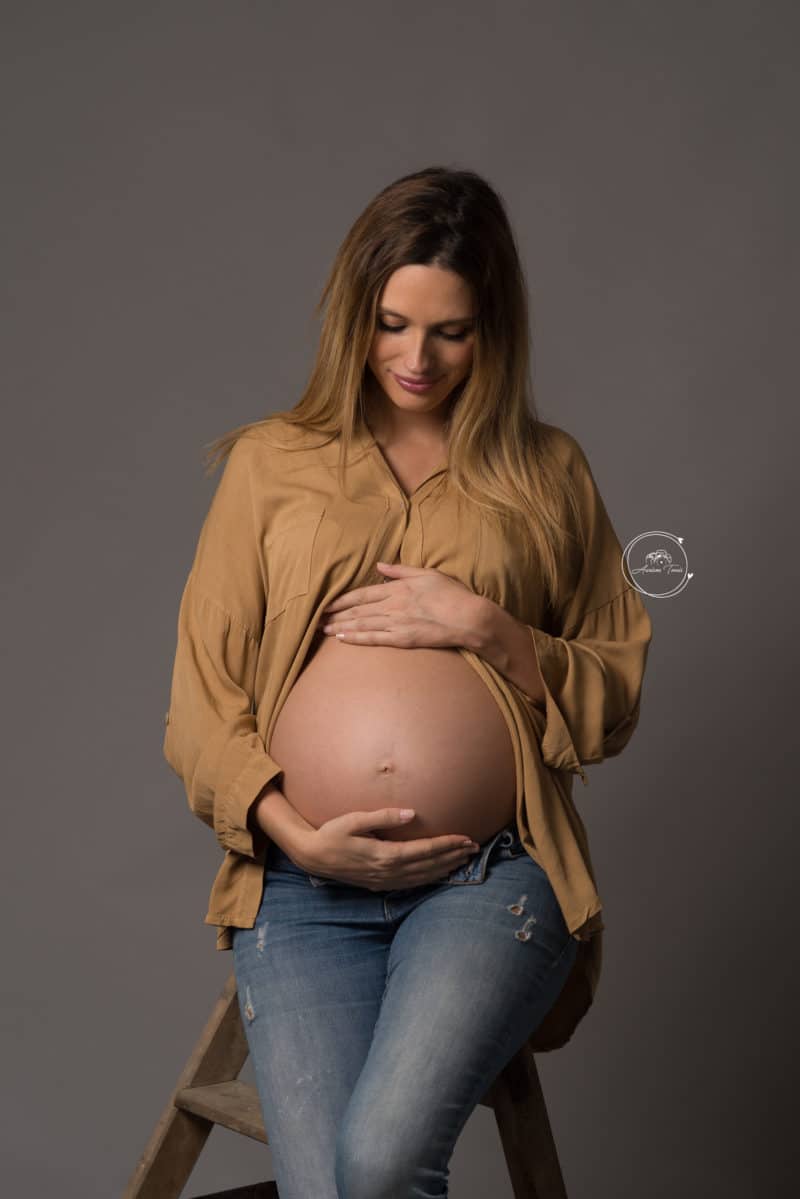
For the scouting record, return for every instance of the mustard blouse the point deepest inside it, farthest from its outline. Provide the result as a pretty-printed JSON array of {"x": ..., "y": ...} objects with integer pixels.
[{"x": 280, "y": 542}]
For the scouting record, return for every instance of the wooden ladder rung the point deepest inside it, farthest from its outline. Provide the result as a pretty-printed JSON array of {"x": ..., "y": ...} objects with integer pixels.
[{"x": 233, "y": 1104}]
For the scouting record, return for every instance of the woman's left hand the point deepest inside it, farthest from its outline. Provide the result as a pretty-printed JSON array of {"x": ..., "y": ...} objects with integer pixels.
[{"x": 415, "y": 607}]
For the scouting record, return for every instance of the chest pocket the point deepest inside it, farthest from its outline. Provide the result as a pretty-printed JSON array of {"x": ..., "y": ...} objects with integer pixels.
[{"x": 289, "y": 553}]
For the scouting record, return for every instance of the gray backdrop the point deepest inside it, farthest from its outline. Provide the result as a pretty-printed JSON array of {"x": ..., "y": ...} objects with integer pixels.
[{"x": 176, "y": 180}]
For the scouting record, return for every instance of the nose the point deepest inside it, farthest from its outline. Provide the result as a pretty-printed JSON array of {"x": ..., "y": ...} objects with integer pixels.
[{"x": 419, "y": 360}]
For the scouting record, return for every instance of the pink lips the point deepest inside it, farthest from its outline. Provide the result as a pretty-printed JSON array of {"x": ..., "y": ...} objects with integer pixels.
[{"x": 413, "y": 384}]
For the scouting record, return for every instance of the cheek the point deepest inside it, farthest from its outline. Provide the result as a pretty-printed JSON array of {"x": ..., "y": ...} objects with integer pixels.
[
  {"x": 462, "y": 361},
  {"x": 383, "y": 349}
]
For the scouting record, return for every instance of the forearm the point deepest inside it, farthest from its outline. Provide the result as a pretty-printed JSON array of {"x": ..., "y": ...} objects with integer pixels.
[
  {"x": 272, "y": 815},
  {"x": 506, "y": 643}
]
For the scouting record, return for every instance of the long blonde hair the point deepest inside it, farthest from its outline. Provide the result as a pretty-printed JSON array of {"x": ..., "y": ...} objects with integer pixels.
[{"x": 500, "y": 455}]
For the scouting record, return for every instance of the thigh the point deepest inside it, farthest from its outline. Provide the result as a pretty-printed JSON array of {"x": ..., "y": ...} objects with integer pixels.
[
  {"x": 473, "y": 969},
  {"x": 310, "y": 976}
]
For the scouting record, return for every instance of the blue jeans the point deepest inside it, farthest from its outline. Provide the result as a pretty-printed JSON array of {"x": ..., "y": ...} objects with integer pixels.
[{"x": 377, "y": 1020}]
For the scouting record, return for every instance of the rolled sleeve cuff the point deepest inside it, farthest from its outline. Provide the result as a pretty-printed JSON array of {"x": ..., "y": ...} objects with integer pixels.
[
  {"x": 557, "y": 747},
  {"x": 232, "y": 808}
]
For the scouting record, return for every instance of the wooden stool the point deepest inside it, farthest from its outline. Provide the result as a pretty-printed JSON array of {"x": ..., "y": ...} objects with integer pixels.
[{"x": 208, "y": 1093}]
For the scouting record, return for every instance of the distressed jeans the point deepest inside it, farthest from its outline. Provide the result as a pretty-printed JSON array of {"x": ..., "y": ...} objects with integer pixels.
[{"x": 377, "y": 1020}]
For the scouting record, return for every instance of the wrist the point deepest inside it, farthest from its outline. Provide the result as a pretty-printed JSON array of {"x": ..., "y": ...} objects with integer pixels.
[
  {"x": 480, "y": 626},
  {"x": 485, "y": 625},
  {"x": 507, "y": 644},
  {"x": 279, "y": 821}
]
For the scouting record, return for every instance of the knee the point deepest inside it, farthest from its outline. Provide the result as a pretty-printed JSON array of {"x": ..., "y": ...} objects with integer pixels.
[{"x": 367, "y": 1168}]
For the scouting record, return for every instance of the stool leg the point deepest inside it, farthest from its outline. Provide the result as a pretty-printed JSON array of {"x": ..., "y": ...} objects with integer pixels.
[
  {"x": 179, "y": 1136},
  {"x": 524, "y": 1126}
]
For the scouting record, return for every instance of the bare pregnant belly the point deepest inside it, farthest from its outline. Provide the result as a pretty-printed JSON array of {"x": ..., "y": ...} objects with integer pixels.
[{"x": 373, "y": 726}]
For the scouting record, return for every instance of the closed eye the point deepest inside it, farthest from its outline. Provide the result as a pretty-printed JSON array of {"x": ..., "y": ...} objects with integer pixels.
[{"x": 399, "y": 329}]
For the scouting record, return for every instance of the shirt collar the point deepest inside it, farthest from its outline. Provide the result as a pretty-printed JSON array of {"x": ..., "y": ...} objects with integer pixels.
[{"x": 367, "y": 446}]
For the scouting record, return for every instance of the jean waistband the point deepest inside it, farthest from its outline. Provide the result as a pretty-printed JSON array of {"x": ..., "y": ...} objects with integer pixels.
[{"x": 506, "y": 843}]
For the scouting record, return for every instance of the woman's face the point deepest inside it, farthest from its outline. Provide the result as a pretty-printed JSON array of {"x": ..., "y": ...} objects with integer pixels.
[{"x": 425, "y": 330}]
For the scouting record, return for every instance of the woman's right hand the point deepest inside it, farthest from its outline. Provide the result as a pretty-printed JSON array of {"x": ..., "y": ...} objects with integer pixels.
[{"x": 346, "y": 848}]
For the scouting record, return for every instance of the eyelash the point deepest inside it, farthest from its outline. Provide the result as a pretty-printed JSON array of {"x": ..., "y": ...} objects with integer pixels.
[{"x": 399, "y": 328}]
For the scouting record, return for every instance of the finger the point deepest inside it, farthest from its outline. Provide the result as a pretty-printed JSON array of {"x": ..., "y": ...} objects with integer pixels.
[
  {"x": 455, "y": 841},
  {"x": 359, "y": 821},
  {"x": 432, "y": 849},
  {"x": 441, "y": 867},
  {"x": 365, "y": 619},
  {"x": 361, "y": 595},
  {"x": 373, "y": 637},
  {"x": 360, "y": 612}
]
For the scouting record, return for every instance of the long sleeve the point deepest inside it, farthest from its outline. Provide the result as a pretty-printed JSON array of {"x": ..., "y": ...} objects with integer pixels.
[
  {"x": 211, "y": 740},
  {"x": 593, "y": 661}
]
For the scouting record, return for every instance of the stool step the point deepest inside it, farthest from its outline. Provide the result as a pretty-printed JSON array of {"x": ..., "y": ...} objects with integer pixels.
[
  {"x": 233, "y": 1104},
  {"x": 260, "y": 1190}
]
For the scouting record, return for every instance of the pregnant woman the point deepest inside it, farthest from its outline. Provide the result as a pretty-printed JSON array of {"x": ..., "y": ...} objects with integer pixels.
[{"x": 404, "y": 631}]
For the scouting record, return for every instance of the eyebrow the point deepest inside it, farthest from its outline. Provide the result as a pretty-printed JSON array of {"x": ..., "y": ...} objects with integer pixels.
[{"x": 456, "y": 320}]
